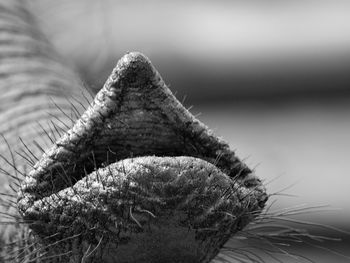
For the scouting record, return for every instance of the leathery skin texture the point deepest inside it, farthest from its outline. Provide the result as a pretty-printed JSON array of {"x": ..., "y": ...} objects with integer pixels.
[{"x": 138, "y": 179}]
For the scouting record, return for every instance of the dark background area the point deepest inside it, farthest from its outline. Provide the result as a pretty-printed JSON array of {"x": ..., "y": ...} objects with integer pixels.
[{"x": 271, "y": 77}]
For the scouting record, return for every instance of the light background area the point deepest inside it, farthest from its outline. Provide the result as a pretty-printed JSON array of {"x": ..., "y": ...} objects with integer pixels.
[{"x": 304, "y": 148}]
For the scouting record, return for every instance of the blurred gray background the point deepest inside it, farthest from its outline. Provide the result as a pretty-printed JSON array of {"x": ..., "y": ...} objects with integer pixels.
[{"x": 271, "y": 77}]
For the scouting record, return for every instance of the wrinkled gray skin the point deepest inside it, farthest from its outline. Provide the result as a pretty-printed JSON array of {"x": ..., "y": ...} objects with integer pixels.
[
  {"x": 36, "y": 90},
  {"x": 33, "y": 79}
]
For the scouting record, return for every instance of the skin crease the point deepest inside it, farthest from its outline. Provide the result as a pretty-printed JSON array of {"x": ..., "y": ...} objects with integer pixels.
[
  {"x": 33, "y": 76},
  {"x": 36, "y": 106}
]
